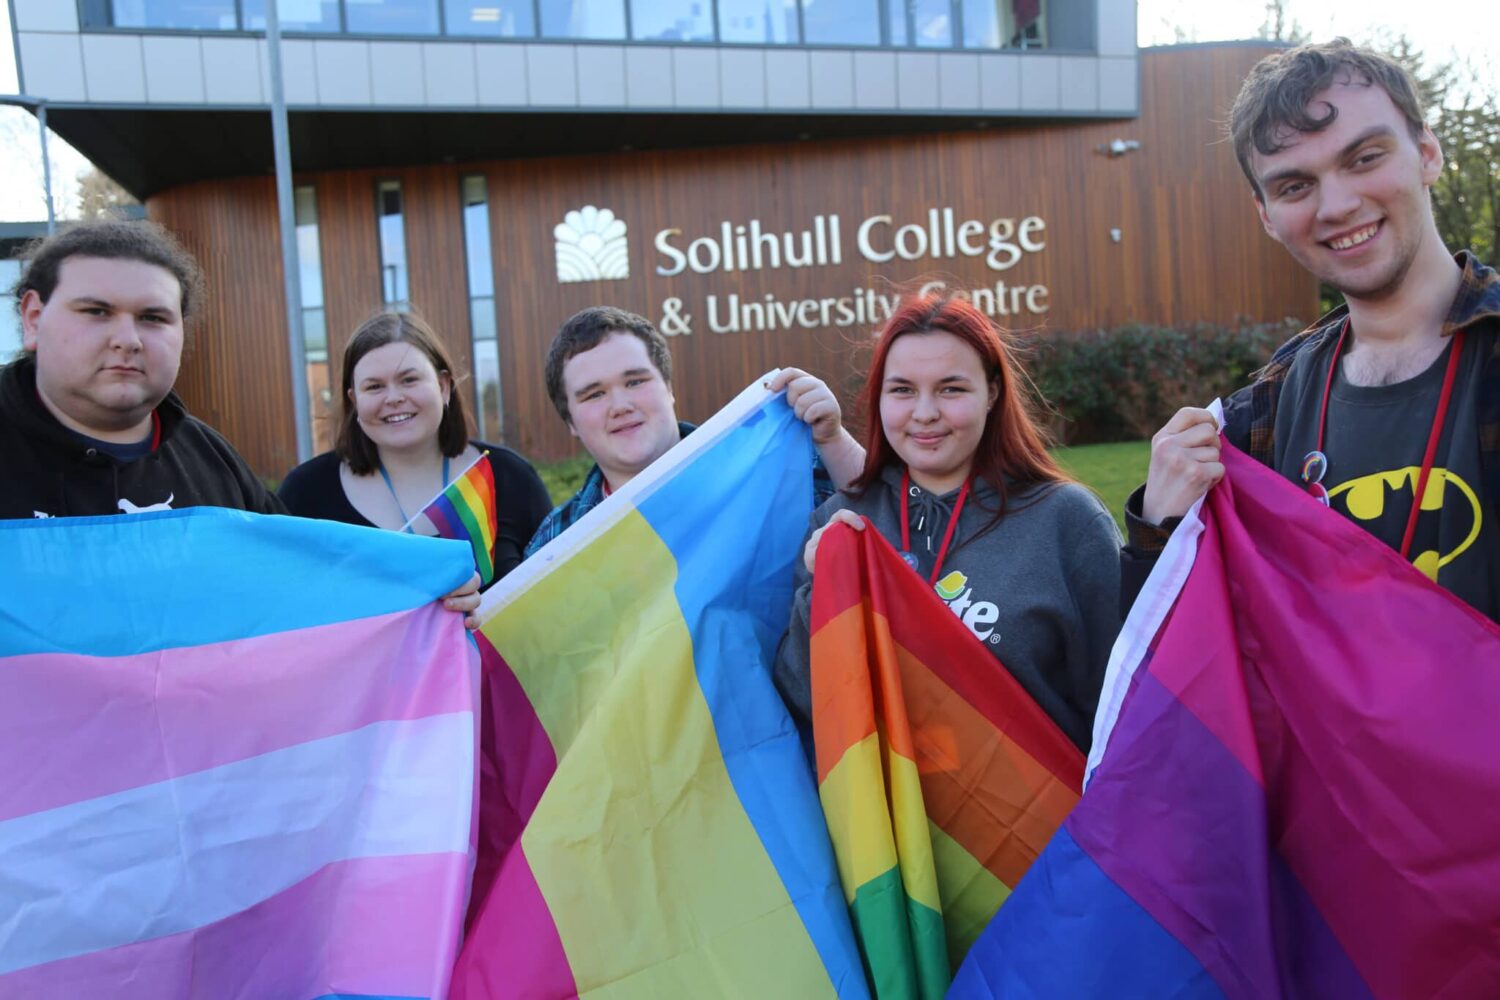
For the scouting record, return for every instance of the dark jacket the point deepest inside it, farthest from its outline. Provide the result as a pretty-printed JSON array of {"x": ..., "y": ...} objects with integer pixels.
[
  {"x": 48, "y": 471},
  {"x": 1250, "y": 414}
]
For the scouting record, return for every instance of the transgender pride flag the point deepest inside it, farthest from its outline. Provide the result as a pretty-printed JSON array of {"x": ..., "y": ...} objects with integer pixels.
[
  {"x": 1295, "y": 790},
  {"x": 238, "y": 758}
]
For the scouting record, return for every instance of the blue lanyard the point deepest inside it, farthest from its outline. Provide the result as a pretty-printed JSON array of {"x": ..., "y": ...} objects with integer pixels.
[{"x": 406, "y": 521}]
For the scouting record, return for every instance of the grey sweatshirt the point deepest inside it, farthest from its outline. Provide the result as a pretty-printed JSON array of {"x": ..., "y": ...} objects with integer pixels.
[{"x": 1041, "y": 588}]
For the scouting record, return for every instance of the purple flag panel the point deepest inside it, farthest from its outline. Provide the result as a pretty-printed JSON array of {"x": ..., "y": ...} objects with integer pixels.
[{"x": 1296, "y": 792}]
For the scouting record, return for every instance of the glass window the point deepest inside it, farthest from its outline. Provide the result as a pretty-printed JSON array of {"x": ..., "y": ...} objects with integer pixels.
[
  {"x": 841, "y": 22},
  {"x": 489, "y": 415},
  {"x": 314, "y": 324},
  {"x": 671, "y": 20},
  {"x": 985, "y": 23},
  {"x": 500, "y": 18},
  {"x": 296, "y": 15},
  {"x": 394, "y": 286},
  {"x": 392, "y": 17},
  {"x": 583, "y": 18},
  {"x": 199, "y": 15},
  {"x": 762, "y": 22},
  {"x": 10, "y": 321},
  {"x": 923, "y": 23}
]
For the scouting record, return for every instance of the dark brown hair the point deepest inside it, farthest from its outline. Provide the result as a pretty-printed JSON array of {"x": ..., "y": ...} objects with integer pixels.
[
  {"x": 354, "y": 445},
  {"x": 1277, "y": 96},
  {"x": 585, "y": 330},
  {"x": 1012, "y": 450},
  {"x": 111, "y": 239}
]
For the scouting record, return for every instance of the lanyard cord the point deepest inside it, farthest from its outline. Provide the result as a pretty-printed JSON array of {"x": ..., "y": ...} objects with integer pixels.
[
  {"x": 1429, "y": 456},
  {"x": 958, "y": 506},
  {"x": 406, "y": 521}
]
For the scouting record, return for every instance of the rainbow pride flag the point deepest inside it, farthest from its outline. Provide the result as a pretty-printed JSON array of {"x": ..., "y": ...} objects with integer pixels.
[
  {"x": 649, "y": 823},
  {"x": 467, "y": 510},
  {"x": 942, "y": 780},
  {"x": 238, "y": 758},
  {"x": 1295, "y": 790}
]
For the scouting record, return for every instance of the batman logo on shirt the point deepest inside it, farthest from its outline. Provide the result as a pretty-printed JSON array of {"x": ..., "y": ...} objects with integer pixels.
[{"x": 1364, "y": 499}]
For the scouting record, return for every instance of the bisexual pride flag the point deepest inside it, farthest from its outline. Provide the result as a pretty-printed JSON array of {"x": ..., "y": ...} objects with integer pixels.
[
  {"x": 238, "y": 758},
  {"x": 941, "y": 778},
  {"x": 1294, "y": 790},
  {"x": 467, "y": 510},
  {"x": 649, "y": 823}
]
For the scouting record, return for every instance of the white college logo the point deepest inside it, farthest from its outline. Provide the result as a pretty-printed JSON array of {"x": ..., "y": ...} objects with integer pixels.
[{"x": 591, "y": 246}]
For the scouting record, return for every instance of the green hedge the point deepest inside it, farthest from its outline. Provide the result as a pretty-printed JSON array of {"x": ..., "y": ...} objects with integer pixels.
[{"x": 1123, "y": 384}]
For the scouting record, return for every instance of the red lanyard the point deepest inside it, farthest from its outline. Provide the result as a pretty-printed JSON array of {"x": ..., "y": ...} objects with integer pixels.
[
  {"x": 958, "y": 506},
  {"x": 1433, "y": 435}
]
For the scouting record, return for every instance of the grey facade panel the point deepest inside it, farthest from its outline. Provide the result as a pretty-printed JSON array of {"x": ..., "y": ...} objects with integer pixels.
[
  {"x": 1041, "y": 84},
  {"x": 695, "y": 77},
  {"x": 958, "y": 82},
  {"x": 787, "y": 79},
  {"x": 231, "y": 71},
  {"x": 874, "y": 79},
  {"x": 832, "y": 75},
  {"x": 916, "y": 80},
  {"x": 501, "y": 73},
  {"x": 1078, "y": 83},
  {"x": 174, "y": 70},
  {"x": 648, "y": 77},
  {"x": 299, "y": 71},
  {"x": 114, "y": 67},
  {"x": 1117, "y": 27},
  {"x": 45, "y": 15},
  {"x": 53, "y": 66},
  {"x": 448, "y": 74},
  {"x": 551, "y": 75},
  {"x": 344, "y": 72},
  {"x": 742, "y": 78},
  {"x": 1119, "y": 85},
  {"x": 1000, "y": 81},
  {"x": 601, "y": 77},
  {"x": 395, "y": 74}
]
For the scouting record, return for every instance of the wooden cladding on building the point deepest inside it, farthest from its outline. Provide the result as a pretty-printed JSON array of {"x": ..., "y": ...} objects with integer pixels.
[{"x": 1162, "y": 232}]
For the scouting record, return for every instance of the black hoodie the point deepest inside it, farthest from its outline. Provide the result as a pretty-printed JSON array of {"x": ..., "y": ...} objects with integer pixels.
[{"x": 48, "y": 471}]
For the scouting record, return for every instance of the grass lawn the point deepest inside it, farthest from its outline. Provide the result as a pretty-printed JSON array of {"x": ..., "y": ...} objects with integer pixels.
[{"x": 1112, "y": 470}]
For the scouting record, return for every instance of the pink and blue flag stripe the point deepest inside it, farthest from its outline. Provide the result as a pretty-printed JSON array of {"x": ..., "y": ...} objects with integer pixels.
[
  {"x": 248, "y": 748},
  {"x": 1294, "y": 790}
]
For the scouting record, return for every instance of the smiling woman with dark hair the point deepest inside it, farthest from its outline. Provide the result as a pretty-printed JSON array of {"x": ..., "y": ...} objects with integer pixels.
[{"x": 403, "y": 437}]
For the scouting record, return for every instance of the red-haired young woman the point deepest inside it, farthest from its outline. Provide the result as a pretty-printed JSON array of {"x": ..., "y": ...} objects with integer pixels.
[{"x": 1032, "y": 565}]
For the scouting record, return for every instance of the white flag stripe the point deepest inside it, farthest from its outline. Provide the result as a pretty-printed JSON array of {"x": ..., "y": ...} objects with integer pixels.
[{"x": 179, "y": 854}]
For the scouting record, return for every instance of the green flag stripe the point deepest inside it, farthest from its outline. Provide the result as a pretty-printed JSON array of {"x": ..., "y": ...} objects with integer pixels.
[{"x": 904, "y": 946}]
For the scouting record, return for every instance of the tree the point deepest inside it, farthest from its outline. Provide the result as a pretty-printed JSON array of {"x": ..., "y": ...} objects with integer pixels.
[
  {"x": 1465, "y": 116},
  {"x": 1280, "y": 26},
  {"x": 99, "y": 196}
]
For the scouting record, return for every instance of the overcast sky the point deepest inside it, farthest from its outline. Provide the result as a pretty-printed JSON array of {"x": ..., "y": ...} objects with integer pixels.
[{"x": 1443, "y": 29}]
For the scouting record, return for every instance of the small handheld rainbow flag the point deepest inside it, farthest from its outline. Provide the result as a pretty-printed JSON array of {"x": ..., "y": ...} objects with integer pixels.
[{"x": 467, "y": 510}]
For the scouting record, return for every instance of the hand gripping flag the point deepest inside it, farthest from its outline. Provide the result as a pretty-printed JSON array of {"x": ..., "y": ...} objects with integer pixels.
[
  {"x": 649, "y": 823},
  {"x": 467, "y": 510},
  {"x": 238, "y": 758},
  {"x": 1295, "y": 791},
  {"x": 941, "y": 778}
]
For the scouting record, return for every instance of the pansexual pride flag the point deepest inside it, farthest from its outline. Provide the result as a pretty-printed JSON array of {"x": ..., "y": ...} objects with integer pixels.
[
  {"x": 238, "y": 758},
  {"x": 1296, "y": 792},
  {"x": 941, "y": 778},
  {"x": 649, "y": 823},
  {"x": 467, "y": 510}
]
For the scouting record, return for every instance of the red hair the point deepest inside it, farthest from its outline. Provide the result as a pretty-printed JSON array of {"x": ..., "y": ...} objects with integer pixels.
[{"x": 1012, "y": 452}]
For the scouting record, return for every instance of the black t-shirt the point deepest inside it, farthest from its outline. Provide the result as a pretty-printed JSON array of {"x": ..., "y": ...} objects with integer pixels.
[
  {"x": 1375, "y": 441},
  {"x": 313, "y": 489}
]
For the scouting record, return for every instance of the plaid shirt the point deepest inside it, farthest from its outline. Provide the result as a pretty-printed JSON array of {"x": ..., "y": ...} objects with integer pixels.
[
  {"x": 1250, "y": 414},
  {"x": 591, "y": 493}
]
